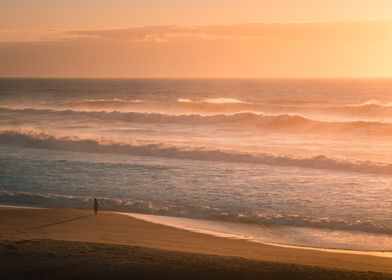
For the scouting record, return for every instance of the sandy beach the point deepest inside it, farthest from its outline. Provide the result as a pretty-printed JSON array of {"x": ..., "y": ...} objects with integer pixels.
[{"x": 64, "y": 243}]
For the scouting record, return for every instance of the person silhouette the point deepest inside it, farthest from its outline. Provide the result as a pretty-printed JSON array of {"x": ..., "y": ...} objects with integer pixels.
[{"x": 96, "y": 206}]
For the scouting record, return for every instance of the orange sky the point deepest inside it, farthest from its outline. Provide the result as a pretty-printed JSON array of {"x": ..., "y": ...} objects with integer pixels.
[{"x": 173, "y": 38}]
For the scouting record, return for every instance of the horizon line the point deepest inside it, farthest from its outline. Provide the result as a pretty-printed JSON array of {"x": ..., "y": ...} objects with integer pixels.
[{"x": 199, "y": 77}]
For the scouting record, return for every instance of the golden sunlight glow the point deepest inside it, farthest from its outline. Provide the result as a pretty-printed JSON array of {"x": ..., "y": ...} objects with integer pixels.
[{"x": 234, "y": 39}]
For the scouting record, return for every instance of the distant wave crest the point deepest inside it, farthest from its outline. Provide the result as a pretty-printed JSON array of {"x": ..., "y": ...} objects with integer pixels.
[
  {"x": 247, "y": 120},
  {"x": 375, "y": 102},
  {"x": 228, "y": 105}
]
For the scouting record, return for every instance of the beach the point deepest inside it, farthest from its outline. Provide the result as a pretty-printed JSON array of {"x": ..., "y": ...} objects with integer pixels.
[
  {"x": 180, "y": 140},
  {"x": 65, "y": 243}
]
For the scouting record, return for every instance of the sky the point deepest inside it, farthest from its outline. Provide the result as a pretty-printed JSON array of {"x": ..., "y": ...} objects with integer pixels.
[{"x": 176, "y": 38}]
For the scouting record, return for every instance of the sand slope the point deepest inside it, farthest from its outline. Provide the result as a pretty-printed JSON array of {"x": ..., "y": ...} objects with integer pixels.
[
  {"x": 51, "y": 259},
  {"x": 109, "y": 228}
]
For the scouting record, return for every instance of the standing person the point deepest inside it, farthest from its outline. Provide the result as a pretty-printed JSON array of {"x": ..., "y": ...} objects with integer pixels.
[{"x": 96, "y": 206}]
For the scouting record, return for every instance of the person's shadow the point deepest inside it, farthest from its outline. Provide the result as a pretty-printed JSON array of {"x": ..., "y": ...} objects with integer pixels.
[{"x": 58, "y": 223}]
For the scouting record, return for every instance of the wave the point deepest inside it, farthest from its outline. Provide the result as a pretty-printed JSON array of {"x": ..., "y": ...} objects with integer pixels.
[
  {"x": 222, "y": 100},
  {"x": 375, "y": 102},
  {"x": 368, "y": 109},
  {"x": 67, "y": 143},
  {"x": 248, "y": 120},
  {"x": 192, "y": 211},
  {"x": 135, "y": 116},
  {"x": 227, "y": 105}
]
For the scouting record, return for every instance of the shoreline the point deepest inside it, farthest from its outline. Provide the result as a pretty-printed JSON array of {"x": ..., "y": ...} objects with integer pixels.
[
  {"x": 162, "y": 220},
  {"x": 194, "y": 226},
  {"x": 168, "y": 221},
  {"x": 112, "y": 228}
]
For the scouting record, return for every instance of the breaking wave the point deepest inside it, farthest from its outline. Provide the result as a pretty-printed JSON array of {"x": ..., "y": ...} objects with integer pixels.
[{"x": 67, "y": 143}]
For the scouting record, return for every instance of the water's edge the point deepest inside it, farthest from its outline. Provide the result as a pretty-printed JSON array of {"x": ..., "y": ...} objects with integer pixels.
[
  {"x": 197, "y": 226},
  {"x": 213, "y": 228}
]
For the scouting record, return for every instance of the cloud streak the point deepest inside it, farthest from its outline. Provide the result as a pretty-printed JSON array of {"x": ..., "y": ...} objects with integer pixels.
[{"x": 329, "y": 31}]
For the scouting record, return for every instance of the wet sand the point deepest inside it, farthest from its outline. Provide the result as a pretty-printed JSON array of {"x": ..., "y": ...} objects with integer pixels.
[{"x": 65, "y": 243}]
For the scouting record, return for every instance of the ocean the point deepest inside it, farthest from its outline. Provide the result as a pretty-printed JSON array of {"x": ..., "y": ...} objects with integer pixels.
[{"x": 284, "y": 161}]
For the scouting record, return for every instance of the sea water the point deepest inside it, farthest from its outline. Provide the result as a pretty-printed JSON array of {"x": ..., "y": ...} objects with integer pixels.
[{"x": 295, "y": 162}]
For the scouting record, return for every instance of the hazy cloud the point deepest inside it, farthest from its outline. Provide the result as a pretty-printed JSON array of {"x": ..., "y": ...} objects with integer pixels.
[
  {"x": 328, "y": 31},
  {"x": 336, "y": 49}
]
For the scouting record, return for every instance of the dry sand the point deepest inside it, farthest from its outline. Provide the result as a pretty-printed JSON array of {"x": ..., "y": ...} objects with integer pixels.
[{"x": 66, "y": 243}]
